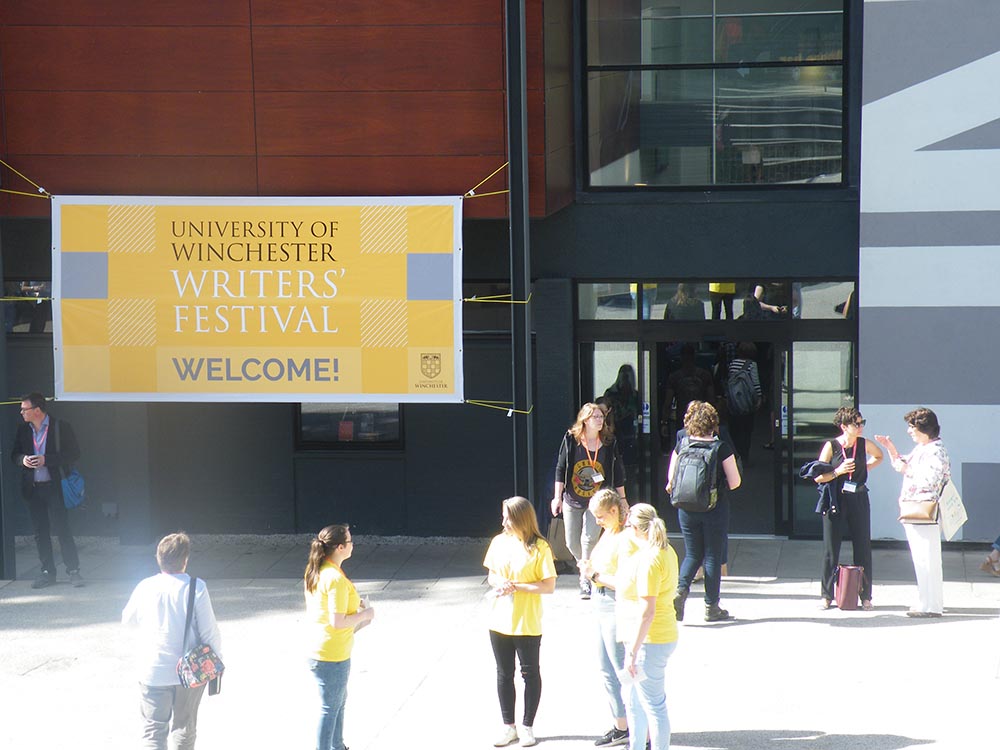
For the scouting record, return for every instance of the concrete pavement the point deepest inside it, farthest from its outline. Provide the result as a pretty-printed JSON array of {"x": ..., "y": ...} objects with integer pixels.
[{"x": 783, "y": 675}]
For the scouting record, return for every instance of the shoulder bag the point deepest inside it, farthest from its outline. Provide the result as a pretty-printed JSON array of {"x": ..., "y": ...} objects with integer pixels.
[
  {"x": 74, "y": 490},
  {"x": 200, "y": 664}
]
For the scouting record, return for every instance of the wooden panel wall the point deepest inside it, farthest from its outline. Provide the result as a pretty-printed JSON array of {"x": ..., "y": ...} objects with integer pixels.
[{"x": 274, "y": 97}]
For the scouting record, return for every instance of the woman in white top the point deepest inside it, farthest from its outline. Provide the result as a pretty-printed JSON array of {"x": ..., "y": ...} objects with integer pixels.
[
  {"x": 158, "y": 606},
  {"x": 926, "y": 470}
]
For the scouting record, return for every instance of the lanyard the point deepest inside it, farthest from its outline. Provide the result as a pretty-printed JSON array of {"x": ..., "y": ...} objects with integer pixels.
[
  {"x": 854, "y": 452},
  {"x": 591, "y": 461},
  {"x": 39, "y": 439}
]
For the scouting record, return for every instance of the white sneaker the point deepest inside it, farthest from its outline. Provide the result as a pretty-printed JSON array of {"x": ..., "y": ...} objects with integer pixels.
[
  {"x": 509, "y": 736},
  {"x": 528, "y": 737}
]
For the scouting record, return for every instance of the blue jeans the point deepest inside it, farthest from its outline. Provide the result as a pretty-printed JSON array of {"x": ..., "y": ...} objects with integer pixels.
[
  {"x": 646, "y": 699},
  {"x": 611, "y": 653},
  {"x": 704, "y": 544},
  {"x": 996, "y": 544},
  {"x": 332, "y": 678}
]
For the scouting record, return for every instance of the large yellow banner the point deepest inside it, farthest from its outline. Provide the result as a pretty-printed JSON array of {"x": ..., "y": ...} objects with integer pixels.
[{"x": 257, "y": 299}]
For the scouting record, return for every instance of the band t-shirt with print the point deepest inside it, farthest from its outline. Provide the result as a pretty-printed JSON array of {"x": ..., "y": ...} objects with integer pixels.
[{"x": 583, "y": 468}]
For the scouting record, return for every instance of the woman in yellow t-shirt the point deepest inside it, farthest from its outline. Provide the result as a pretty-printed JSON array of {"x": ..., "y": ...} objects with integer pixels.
[
  {"x": 647, "y": 624},
  {"x": 610, "y": 510},
  {"x": 521, "y": 569},
  {"x": 334, "y": 611}
]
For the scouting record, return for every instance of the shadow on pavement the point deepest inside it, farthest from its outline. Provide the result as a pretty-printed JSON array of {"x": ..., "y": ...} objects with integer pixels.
[{"x": 791, "y": 739}]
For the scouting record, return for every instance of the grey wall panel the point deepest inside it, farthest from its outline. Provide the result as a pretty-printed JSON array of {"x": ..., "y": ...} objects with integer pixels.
[
  {"x": 778, "y": 237},
  {"x": 364, "y": 490},
  {"x": 459, "y": 463},
  {"x": 221, "y": 468},
  {"x": 915, "y": 41},
  {"x": 980, "y": 483},
  {"x": 930, "y": 229},
  {"x": 555, "y": 403},
  {"x": 928, "y": 355}
]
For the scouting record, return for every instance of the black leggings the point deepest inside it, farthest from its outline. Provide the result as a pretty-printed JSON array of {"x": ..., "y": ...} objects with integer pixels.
[
  {"x": 855, "y": 515},
  {"x": 526, "y": 647}
]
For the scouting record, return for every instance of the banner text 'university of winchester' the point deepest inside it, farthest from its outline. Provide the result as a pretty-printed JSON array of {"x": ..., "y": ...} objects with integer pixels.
[{"x": 257, "y": 299}]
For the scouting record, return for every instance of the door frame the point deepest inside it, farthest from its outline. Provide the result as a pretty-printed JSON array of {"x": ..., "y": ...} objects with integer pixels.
[{"x": 647, "y": 334}]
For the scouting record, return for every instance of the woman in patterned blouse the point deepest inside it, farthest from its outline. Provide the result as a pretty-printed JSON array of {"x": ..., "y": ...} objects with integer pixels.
[{"x": 926, "y": 470}]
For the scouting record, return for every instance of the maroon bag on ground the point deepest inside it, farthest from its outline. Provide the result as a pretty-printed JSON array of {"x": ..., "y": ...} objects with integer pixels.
[{"x": 848, "y": 586}]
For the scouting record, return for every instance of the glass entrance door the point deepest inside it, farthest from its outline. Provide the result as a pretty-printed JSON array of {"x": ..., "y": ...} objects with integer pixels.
[
  {"x": 823, "y": 379},
  {"x": 697, "y": 369}
]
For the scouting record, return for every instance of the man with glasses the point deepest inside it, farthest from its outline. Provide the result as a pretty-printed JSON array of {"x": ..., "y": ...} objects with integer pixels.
[{"x": 43, "y": 448}]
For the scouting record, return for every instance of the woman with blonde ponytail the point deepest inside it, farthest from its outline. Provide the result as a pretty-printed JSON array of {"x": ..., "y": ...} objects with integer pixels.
[
  {"x": 610, "y": 510},
  {"x": 647, "y": 625},
  {"x": 335, "y": 612}
]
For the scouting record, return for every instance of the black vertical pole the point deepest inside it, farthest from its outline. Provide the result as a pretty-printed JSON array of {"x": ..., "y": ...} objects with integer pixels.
[
  {"x": 7, "y": 568},
  {"x": 520, "y": 251}
]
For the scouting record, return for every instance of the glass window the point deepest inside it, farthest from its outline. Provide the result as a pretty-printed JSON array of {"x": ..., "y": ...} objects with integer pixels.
[
  {"x": 686, "y": 300},
  {"x": 614, "y": 301},
  {"x": 349, "y": 424},
  {"x": 826, "y": 300},
  {"x": 715, "y": 97},
  {"x": 27, "y": 306}
]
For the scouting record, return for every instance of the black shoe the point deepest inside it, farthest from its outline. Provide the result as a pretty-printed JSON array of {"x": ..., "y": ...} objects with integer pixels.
[
  {"x": 44, "y": 580},
  {"x": 715, "y": 613},
  {"x": 679, "y": 598},
  {"x": 614, "y": 737}
]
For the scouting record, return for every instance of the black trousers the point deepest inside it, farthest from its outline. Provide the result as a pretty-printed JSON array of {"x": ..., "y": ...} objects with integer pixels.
[
  {"x": 45, "y": 505},
  {"x": 854, "y": 516},
  {"x": 526, "y": 647}
]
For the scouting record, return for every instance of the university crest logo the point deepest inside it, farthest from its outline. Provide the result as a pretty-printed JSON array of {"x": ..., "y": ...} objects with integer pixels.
[{"x": 430, "y": 365}]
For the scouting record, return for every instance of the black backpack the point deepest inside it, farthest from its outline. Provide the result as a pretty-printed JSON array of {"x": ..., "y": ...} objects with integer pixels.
[
  {"x": 695, "y": 483},
  {"x": 741, "y": 397}
]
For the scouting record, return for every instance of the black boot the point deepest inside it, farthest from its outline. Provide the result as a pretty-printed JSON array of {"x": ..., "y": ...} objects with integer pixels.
[
  {"x": 715, "y": 613},
  {"x": 679, "y": 598}
]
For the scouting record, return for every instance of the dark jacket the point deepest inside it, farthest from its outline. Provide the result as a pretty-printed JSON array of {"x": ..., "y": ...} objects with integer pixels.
[
  {"x": 616, "y": 472},
  {"x": 61, "y": 452},
  {"x": 829, "y": 492}
]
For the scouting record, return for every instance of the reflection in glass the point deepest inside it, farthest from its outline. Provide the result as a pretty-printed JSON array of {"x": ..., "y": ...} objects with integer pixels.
[
  {"x": 827, "y": 300},
  {"x": 28, "y": 308},
  {"x": 777, "y": 38},
  {"x": 615, "y": 301},
  {"x": 686, "y": 32},
  {"x": 779, "y": 125},
  {"x": 366, "y": 423},
  {"x": 822, "y": 382},
  {"x": 686, "y": 300},
  {"x": 700, "y": 127}
]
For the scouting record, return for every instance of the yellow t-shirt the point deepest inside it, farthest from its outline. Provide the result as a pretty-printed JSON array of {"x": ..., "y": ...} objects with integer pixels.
[
  {"x": 649, "y": 572},
  {"x": 334, "y": 594},
  {"x": 604, "y": 557},
  {"x": 722, "y": 287},
  {"x": 519, "y": 613}
]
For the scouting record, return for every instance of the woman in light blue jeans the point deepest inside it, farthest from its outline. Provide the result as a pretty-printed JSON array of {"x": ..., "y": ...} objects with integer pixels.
[
  {"x": 610, "y": 510},
  {"x": 334, "y": 611},
  {"x": 647, "y": 625}
]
